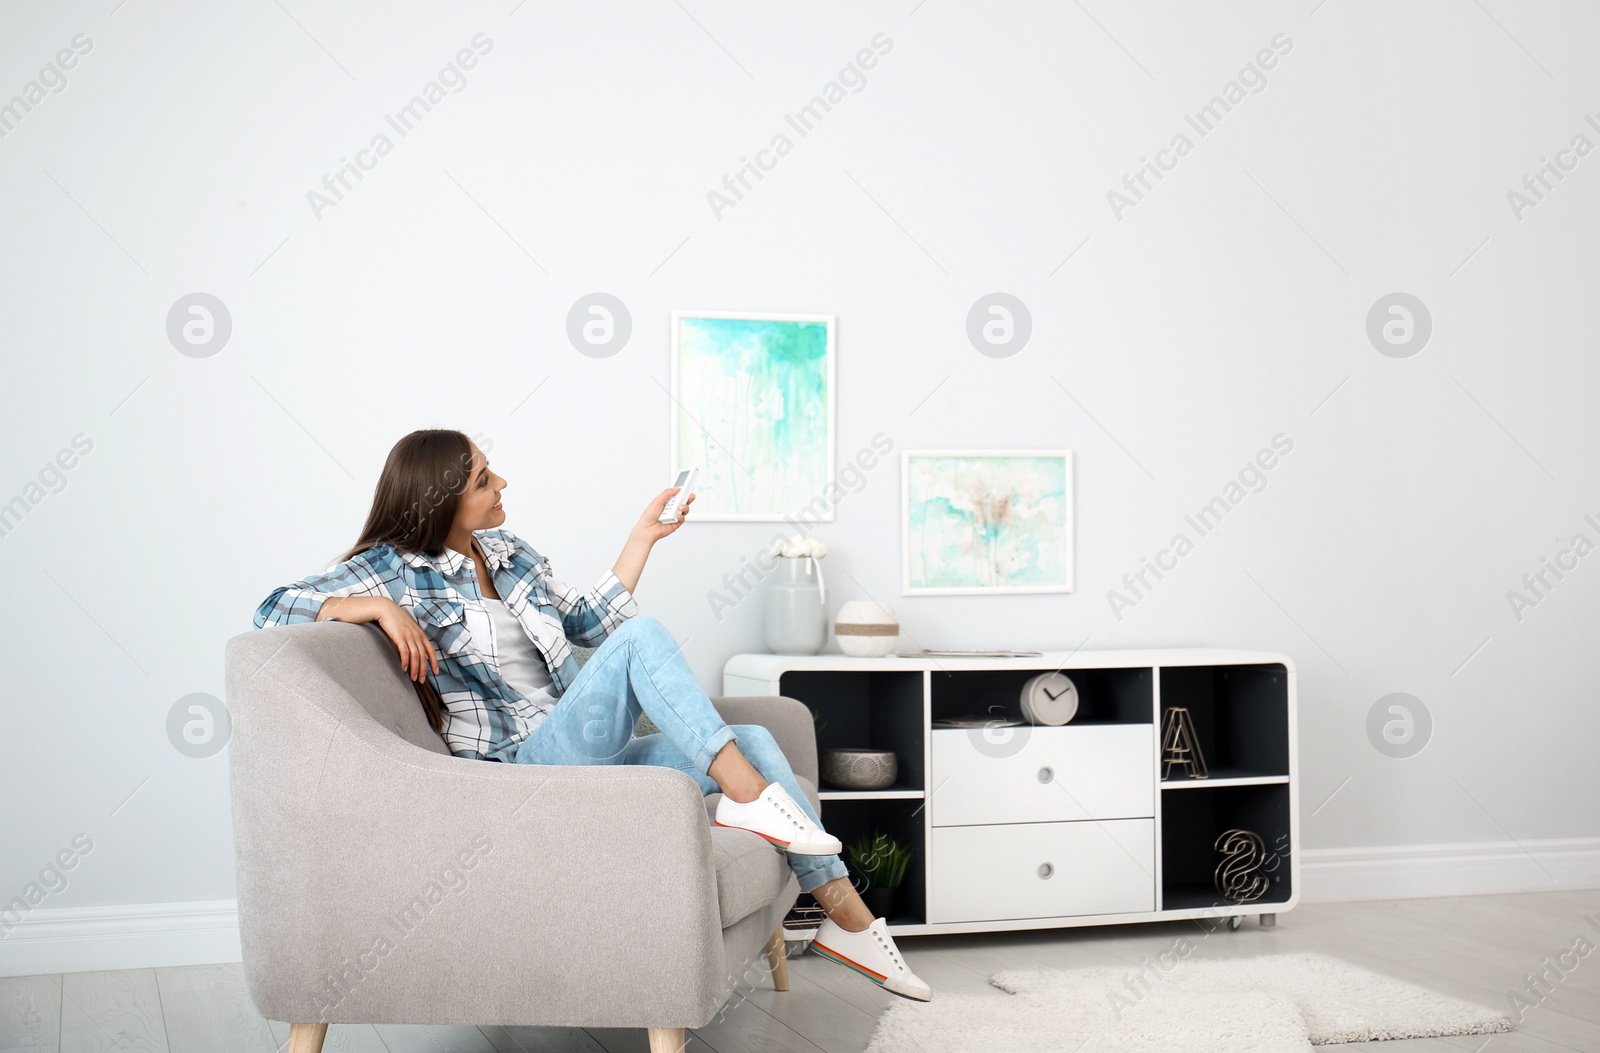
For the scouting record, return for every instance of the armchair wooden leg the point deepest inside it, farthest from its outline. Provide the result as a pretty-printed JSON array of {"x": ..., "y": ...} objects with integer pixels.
[
  {"x": 307, "y": 1038},
  {"x": 666, "y": 1040},
  {"x": 777, "y": 961}
]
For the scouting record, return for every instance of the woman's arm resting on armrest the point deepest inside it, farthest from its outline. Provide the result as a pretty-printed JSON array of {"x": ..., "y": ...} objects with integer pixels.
[
  {"x": 357, "y": 590},
  {"x": 353, "y": 608},
  {"x": 302, "y": 601}
]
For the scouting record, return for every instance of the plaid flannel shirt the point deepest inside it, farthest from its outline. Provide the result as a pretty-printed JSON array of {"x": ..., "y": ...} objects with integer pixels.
[{"x": 485, "y": 718}]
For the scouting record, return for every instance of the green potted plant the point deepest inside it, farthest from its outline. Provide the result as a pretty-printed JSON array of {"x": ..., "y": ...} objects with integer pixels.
[{"x": 881, "y": 861}]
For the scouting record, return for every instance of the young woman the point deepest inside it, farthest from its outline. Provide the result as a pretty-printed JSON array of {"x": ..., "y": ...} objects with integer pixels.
[{"x": 482, "y": 627}]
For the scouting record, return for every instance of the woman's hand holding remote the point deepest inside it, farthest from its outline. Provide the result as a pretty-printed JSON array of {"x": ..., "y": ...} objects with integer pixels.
[
  {"x": 416, "y": 651},
  {"x": 650, "y": 528}
]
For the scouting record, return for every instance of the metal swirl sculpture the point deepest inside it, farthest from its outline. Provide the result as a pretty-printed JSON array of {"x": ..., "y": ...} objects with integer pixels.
[{"x": 1238, "y": 877}]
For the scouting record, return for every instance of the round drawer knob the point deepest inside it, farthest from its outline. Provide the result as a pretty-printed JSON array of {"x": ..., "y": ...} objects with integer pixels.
[
  {"x": 1045, "y": 870},
  {"x": 1045, "y": 774}
]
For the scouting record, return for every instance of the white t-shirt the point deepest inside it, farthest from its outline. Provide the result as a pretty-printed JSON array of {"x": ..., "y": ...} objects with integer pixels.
[{"x": 508, "y": 648}]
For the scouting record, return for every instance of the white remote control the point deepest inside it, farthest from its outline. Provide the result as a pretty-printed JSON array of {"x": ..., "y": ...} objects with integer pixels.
[{"x": 685, "y": 485}]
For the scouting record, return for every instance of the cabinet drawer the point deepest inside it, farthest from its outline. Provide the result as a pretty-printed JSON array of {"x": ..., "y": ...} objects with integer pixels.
[
  {"x": 1041, "y": 870},
  {"x": 1104, "y": 771}
]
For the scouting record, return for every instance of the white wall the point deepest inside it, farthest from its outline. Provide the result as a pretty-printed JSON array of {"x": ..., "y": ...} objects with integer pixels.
[{"x": 1226, "y": 307}]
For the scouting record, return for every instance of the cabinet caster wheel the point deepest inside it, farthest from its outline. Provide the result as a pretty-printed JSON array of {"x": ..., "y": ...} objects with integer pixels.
[{"x": 1235, "y": 921}]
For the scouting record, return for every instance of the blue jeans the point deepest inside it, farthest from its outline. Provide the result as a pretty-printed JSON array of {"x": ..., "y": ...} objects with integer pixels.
[{"x": 639, "y": 669}]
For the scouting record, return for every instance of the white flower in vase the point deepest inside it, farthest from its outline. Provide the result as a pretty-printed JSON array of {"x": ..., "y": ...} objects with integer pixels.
[{"x": 797, "y": 547}]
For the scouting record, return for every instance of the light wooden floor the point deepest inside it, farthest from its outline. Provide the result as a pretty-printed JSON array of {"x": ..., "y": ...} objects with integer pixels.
[{"x": 1478, "y": 947}]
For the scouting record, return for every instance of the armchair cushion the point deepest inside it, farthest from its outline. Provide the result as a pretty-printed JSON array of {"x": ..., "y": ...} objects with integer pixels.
[{"x": 750, "y": 873}]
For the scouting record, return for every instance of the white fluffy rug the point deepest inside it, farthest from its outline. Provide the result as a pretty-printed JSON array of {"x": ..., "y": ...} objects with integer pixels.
[{"x": 1278, "y": 1003}]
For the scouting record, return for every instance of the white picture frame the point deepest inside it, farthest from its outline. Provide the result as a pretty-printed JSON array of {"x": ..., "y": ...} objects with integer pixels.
[
  {"x": 1047, "y": 535},
  {"x": 788, "y": 487}
]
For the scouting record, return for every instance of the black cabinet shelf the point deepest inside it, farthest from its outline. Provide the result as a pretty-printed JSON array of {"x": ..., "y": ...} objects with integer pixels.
[
  {"x": 1105, "y": 696},
  {"x": 1191, "y": 823},
  {"x": 1221, "y": 776},
  {"x": 1240, "y": 714},
  {"x": 1205, "y": 897}
]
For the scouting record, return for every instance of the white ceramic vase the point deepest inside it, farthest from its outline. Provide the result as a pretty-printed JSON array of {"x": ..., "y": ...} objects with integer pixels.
[{"x": 796, "y": 607}]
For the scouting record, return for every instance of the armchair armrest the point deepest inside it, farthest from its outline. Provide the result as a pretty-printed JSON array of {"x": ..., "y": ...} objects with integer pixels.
[{"x": 379, "y": 882}]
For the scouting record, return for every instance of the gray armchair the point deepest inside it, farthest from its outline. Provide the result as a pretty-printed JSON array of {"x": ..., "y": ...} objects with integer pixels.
[{"x": 382, "y": 880}]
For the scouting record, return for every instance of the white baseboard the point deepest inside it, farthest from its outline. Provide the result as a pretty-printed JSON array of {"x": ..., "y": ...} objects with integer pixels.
[
  {"x": 138, "y": 936},
  {"x": 80, "y": 939},
  {"x": 1477, "y": 868}
]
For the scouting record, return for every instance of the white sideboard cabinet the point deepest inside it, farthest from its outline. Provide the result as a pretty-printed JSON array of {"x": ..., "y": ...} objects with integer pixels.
[{"x": 1040, "y": 826}]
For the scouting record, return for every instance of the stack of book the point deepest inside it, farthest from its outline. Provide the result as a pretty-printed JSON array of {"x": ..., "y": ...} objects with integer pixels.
[{"x": 967, "y": 654}]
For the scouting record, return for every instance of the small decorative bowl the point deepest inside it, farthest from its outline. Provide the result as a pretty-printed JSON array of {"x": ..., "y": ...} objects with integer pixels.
[
  {"x": 859, "y": 769},
  {"x": 866, "y": 629}
]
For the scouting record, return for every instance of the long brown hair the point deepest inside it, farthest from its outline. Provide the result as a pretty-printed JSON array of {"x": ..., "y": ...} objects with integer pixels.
[{"x": 413, "y": 508}]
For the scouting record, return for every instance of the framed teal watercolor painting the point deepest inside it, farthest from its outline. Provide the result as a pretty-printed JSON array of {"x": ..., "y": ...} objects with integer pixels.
[
  {"x": 985, "y": 521},
  {"x": 753, "y": 407}
]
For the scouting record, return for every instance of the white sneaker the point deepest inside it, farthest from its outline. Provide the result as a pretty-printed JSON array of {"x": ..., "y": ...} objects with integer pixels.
[
  {"x": 776, "y": 817},
  {"x": 872, "y": 953}
]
